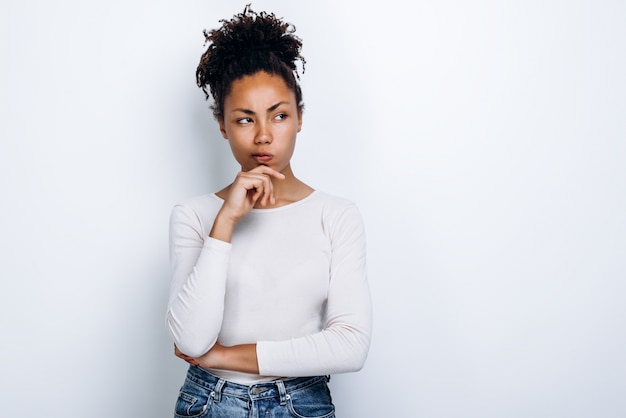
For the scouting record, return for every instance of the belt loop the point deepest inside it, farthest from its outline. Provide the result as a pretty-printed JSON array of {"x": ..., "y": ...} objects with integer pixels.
[
  {"x": 217, "y": 392},
  {"x": 282, "y": 392}
]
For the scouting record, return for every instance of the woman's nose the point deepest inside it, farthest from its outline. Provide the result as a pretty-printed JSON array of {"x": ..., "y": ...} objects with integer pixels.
[{"x": 263, "y": 135}]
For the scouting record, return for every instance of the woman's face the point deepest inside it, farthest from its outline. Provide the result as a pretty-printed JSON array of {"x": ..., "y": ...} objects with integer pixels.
[{"x": 261, "y": 120}]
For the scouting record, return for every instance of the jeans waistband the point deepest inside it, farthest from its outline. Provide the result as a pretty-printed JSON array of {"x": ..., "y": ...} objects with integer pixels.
[{"x": 277, "y": 388}]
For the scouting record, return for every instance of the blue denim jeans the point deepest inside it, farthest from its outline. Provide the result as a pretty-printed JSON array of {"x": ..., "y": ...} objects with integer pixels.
[{"x": 204, "y": 395}]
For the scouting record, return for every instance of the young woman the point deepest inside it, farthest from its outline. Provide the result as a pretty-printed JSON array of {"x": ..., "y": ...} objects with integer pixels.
[{"x": 269, "y": 293}]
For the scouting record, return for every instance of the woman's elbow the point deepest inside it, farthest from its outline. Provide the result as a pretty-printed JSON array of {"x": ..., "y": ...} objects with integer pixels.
[
  {"x": 192, "y": 349},
  {"x": 354, "y": 358},
  {"x": 357, "y": 361},
  {"x": 189, "y": 343}
]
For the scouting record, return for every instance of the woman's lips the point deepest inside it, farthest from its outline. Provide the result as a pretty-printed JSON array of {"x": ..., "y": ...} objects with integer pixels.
[{"x": 262, "y": 158}]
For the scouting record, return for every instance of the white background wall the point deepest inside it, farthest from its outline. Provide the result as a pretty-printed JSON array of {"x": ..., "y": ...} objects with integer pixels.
[{"x": 484, "y": 142}]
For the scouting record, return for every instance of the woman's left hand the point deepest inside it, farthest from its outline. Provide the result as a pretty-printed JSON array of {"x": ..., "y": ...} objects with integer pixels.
[
  {"x": 208, "y": 360},
  {"x": 191, "y": 360},
  {"x": 240, "y": 358}
]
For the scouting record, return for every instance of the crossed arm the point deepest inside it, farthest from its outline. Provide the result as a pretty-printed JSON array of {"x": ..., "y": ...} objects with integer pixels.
[{"x": 341, "y": 346}]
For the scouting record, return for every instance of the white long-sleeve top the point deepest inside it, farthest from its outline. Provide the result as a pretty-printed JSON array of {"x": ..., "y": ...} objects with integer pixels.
[{"x": 293, "y": 280}]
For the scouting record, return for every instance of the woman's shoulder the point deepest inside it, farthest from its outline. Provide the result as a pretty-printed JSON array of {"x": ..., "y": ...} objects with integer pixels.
[
  {"x": 336, "y": 208},
  {"x": 201, "y": 203},
  {"x": 340, "y": 217},
  {"x": 200, "y": 208},
  {"x": 332, "y": 201}
]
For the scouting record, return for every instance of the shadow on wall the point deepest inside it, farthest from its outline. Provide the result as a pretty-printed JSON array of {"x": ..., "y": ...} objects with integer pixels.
[
  {"x": 221, "y": 167},
  {"x": 211, "y": 167}
]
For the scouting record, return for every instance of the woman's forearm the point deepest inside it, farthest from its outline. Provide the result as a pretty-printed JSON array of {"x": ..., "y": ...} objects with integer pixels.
[{"x": 238, "y": 358}]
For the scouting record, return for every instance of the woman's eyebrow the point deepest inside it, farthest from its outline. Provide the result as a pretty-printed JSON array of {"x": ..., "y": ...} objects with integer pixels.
[
  {"x": 269, "y": 109},
  {"x": 246, "y": 111},
  {"x": 274, "y": 107},
  {"x": 251, "y": 112}
]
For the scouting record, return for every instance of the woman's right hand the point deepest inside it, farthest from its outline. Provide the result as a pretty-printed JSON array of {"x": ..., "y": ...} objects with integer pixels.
[{"x": 248, "y": 189}]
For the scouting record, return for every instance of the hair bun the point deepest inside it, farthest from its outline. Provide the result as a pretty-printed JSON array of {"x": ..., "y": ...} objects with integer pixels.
[
  {"x": 250, "y": 32},
  {"x": 248, "y": 43}
]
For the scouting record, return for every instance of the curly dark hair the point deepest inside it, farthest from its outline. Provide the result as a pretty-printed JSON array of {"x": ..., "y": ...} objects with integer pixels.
[{"x": 248, "y": 43}]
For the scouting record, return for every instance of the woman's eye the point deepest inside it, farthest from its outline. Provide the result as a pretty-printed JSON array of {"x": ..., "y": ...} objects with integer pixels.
[
  {"x": 281, "y": 116},
  {"x": 244, "y": 121}
]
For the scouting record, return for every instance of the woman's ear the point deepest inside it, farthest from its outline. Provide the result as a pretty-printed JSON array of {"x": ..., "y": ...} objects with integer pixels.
[
  {"x": 220, "y": 121},
  {"x": 299, "y": 120}
]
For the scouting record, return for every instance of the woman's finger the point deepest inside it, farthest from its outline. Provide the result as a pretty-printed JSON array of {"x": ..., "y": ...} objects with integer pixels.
[
  {"x": 269, "y": 173},
  {"x": 262, "y": 185},
  {"x": 263, "y": 169}
]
